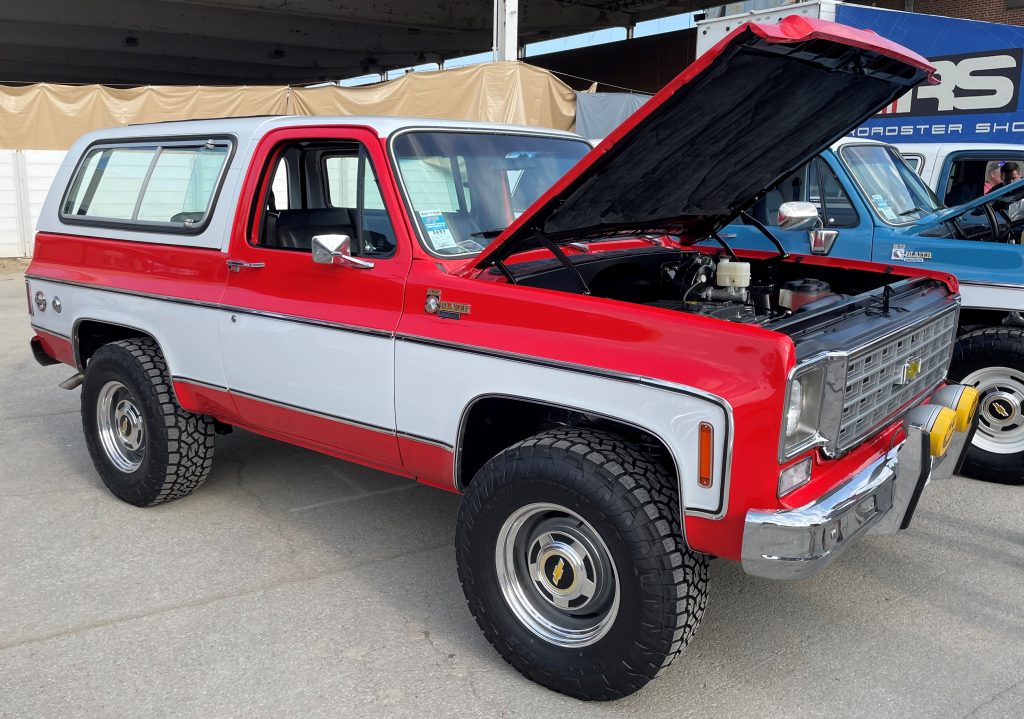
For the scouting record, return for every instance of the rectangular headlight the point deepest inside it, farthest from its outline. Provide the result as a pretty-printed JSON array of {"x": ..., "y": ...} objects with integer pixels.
[{"x": 802, "y": 410}]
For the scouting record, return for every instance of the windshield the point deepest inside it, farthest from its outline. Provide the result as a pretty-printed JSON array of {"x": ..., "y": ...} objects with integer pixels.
[
  {"x": 464, "y": 188},
  {"x": 897, "y": 193}
]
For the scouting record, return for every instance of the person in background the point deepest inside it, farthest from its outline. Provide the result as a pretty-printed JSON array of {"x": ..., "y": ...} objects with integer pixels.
[
  {"x": 992, "y": 177},
  {"x": 1008, "y": 173}
]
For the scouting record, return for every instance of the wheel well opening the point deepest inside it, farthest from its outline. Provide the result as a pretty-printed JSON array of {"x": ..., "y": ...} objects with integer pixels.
[
  {"x": 493, "y": 423},
  {"x": 90, "y": 335},
  {"x": 975, "y": 319}
]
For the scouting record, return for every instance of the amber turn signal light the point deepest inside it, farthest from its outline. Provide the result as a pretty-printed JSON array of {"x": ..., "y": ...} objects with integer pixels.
[{"x": 706, "y": 452}]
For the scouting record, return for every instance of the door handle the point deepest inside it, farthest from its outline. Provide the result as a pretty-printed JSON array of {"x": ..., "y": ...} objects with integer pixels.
[{"x": 237, "y": 265}]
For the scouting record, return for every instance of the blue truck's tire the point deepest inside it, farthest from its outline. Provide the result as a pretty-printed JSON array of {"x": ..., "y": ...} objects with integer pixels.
[
  {"x": 992, "y": 359},
  {"x": 623, "y": 506}
]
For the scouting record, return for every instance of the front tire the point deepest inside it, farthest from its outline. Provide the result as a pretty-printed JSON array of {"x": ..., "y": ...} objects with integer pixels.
[
  {"x": 992, "y": 360},
  {"x": 572, "y": 560},
  {"x": 145, "y": 447}
]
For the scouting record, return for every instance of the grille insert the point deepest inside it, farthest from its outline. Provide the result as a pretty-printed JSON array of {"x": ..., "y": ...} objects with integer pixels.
[{"x": 883, "y": 377}]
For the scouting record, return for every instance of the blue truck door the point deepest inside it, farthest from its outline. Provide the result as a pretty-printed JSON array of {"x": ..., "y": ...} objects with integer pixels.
[
  {"x": 830, "y": 191},
  {"x": 975, "y": 262}
]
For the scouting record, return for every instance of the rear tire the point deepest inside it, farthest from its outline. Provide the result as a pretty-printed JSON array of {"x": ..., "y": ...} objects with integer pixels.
[
  {"x": 145, "y": 447},
  {"x": 992, "y": 360},
  {"x": 572, "y": 560}
]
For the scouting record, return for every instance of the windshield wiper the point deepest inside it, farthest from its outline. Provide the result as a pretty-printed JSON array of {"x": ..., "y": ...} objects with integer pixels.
[
  {"x": 911, "y": 210},
  {"x": 489, "y": 234}
]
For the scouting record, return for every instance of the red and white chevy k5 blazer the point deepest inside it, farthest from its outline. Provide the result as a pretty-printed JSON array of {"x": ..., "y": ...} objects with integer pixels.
[{"x": 501, "y": 312}]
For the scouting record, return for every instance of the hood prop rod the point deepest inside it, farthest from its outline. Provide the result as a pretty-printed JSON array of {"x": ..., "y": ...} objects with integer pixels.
[
  {"x": 766, "y": 232},
  {"x": 557, "y": 252},
  {"x": 503, "y": 269}
]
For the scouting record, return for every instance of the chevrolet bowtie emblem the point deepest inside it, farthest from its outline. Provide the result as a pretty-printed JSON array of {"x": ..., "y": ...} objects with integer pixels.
[
  {"x": 556, "y": 573},
  {"x": 997, "y": 407},
  {"x": 910, "y": 370}
]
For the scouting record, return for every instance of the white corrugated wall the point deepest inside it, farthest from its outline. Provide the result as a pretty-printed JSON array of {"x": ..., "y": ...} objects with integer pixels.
[{"x": 25, "y": 177}]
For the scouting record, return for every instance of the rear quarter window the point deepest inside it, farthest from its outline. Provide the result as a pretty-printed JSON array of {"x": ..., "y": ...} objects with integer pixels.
[{"x": 168, "y": 186}]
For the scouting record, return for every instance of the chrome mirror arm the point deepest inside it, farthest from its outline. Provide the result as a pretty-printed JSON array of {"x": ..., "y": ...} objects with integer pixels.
[{"x": 336, "y": 249}]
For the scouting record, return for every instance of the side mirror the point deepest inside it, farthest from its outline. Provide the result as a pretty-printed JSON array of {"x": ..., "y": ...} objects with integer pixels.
[
  {"x": 821, "y": 241},
  {"x": 797, "y": 215},
  {"x": 331, "y": 249}
]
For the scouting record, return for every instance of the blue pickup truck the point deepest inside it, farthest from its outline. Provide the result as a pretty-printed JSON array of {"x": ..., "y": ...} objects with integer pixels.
[{"x": 871, "y": 205}]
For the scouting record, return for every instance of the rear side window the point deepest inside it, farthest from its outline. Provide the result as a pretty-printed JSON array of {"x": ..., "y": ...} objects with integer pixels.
[{"x": 168, "y": 186}]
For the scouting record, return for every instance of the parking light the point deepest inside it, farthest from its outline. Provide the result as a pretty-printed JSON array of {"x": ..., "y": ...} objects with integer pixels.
[{"x": 795, "y": 476}]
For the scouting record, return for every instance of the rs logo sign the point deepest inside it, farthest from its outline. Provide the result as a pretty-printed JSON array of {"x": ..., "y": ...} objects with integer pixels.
[{"x": 969, "y": 83}]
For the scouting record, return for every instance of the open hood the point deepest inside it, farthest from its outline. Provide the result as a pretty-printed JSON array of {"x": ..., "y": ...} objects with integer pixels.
[
  {"x": 1008, "y": 194},
  {"x": 758, "y": 105}
]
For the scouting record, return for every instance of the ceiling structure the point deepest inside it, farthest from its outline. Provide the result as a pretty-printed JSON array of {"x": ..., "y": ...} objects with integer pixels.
[{"x": 142, "y": 42}]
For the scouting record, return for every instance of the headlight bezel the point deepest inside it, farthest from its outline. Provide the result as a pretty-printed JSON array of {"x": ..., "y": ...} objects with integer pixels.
[{"x": 810, "y": 378}]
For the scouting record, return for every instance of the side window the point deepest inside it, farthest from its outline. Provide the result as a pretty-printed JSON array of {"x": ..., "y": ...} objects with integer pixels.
[
  {"x": 971, "y": 177},
  {"x": 281, "y": 190},
  {"x": 915, "y": 162},
  {"x": 816, "y": 183},
  {"x": 109, "y": 182},
  {"x": 351, "y": 183},
  {"x": 828, "y": 195},
  {"x": 339, "y": 195},
  {"x": 792, "y": 188},
  {"x": 342, "y": 173},
  {"x": 169, "y": 185},
  {"x": 181, "y": 185}
]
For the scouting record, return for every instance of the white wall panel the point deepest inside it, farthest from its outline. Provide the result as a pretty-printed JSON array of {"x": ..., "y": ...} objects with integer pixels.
[
  {"x": 25, "y": 178},
  {"x": 11, "y": 241},
  {"x": 434, "y": 384}
]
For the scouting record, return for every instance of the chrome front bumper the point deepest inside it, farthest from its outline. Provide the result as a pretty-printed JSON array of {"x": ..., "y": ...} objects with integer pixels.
[{"x": 881, "y": 498}]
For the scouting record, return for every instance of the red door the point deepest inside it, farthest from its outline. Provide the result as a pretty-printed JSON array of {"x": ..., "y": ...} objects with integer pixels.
[{"x": 308, "y": 348}]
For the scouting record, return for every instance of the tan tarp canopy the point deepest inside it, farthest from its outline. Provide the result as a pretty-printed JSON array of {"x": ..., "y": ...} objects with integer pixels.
[{"x": 51, "y": 117}]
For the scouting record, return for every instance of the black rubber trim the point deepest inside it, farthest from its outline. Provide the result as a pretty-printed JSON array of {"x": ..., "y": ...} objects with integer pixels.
[
  {"x": 922, "y": 480},
  {"x": 315, "y": 413}
]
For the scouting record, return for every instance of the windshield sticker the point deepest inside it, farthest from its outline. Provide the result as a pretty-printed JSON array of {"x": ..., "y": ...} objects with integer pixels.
[
  {"x": 901, "y": 253},
  {"x": 437, "y": 229},
  {"x": 883, "y": 207}
]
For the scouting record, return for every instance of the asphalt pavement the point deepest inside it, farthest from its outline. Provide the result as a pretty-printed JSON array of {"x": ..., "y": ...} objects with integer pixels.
[{"x": 295, "y": 585}]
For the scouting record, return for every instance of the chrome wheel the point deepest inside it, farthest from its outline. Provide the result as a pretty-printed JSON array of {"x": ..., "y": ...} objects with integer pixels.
[
  {"x": 122, "y": 428},
  {"x": 557, "y": 575},
  {"x": 1001, "y": 409}
]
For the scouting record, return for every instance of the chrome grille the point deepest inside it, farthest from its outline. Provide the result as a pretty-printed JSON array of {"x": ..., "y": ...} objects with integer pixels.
[{"x": 875, "y": 384}]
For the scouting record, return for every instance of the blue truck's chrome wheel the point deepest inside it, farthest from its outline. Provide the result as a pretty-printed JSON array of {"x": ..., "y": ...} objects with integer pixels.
[{"x": 1001, "y": 408}]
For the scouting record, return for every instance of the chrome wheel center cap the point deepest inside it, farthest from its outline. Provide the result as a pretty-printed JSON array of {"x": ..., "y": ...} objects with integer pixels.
[
  {"x": 560, "y": 569},
  {"x": 128, "y": 422},
  {"x": 1001, "y": 409}
]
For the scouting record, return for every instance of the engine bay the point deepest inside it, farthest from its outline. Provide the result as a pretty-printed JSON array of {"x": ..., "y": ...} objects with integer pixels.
[
  {"x": 765, "y": 292},
  {"x": 821, "y": 307}
]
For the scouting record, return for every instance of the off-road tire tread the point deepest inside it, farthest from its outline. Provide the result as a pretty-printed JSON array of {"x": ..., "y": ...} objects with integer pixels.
[
  {"x": 180, "y": 461},
  {"x": 1007, "y": 344},
  {"x": 672, "y": 576}
]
